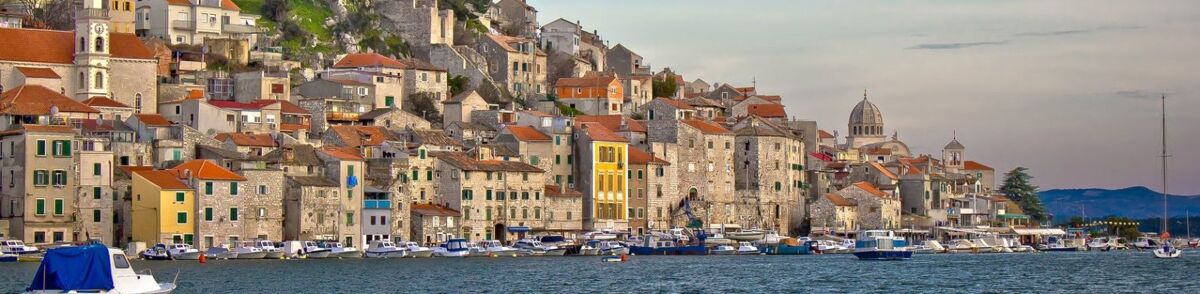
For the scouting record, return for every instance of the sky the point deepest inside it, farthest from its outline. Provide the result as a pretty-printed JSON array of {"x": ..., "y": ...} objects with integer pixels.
[{"x": 1068, "y": 89}]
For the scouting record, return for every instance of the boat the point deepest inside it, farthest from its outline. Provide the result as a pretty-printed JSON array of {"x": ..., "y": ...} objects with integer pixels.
[
  {"x": 158, "y": 252},
  {"x": 219, "y": 253},
  {"x": 530, "y": 247},
  {"x": 1146, "y": 243},
  {"x": 612, "y": 248},
  {"x": 453, "y": 248},
  {"x": 1099, "y": 244},
  {"x": 591, "y": 247},
  {"x": 668, "y": 244},
  {"x": 248, "y": 250},
  {"x": 613, "y": 258},
  {"x": 272, "y": 252},
  {"x": 312, "y": 250},
  {"x": 745, "y": 248},
  {"x": 8, "y": 257},
  {"x": 748, "y": 235},
  {"x": 91, "y": 269},
  {"x": 477, "y": 251},
  {"x": 787, "y": 246},
  {"x": 384, "y": 249},
  {"x": 16, "y": 247},
  {"x": 336, "y": 249},
  {"x": 183, "y": 252},
  {"x": 1056, "y": 244},
  {"x": 1167, "y": 250},
  {"x": 962, "y": 246},
  {"x": 880, "y": 245},
  {"x": 495, "y": 248},
  {"x": 598, "y": 235},
  {"x": 723, "y": 250},
  {"x": 416, "y": 250}
]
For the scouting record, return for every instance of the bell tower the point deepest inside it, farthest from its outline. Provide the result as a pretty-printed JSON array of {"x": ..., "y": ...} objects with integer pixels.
[
  {"x": 92, "y": 44},
  {"x": 953, "y": 155}
]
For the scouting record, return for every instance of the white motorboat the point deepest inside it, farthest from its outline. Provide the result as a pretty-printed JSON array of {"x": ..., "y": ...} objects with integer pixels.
[
  {"x": 269, "y": 247},
  {"x": 183, "y": 252},
  {"x": 495, "y": 248},
  {"x": 158, "y": 252},
  {"x": 336, "y": 249},
  {"x": 249, "y": 250},
  {"x": 962, "y": 246},
  {"x": 477, "y": 251},
  {"x": 589, "y": 248},
  {"x": 453, "y": 248},
  {"x": 987, "y": 245},
  {"x": 747, "y": 235},
  {"x": 745, "y": 248},
  {"x": 598, "y": 235},
  {"x": 846, "y": 247},
  {"x": 416, "y": 250},
  {"x": 612, "y": 248},
  {"x": 1099, "y": 244},
  {"x": 312, "y": 250},
  {"x": 1147, "y": 243},
  {"x": 532, "y": 247},
  {"x": 80, "y": 276},
  {"x": 723, "y": 250},
  {"x": 385, "y": 249},
  {"x": 219, "y": 253},
  {"x": 16, "y": 247}
]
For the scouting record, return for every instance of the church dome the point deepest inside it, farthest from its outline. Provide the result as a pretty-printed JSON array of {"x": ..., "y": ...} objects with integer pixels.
[{"x": 865, "y": 113}]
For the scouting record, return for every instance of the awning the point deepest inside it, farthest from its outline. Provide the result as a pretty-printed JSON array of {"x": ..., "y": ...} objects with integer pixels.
[
  {"x": 1039, "y": 232},
  {"x": 518, "y": 229}
]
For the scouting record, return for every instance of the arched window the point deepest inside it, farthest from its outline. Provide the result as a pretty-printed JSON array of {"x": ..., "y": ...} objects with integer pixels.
[
  {"x": 99, "y": 44},
  {"x": 99, "y": 83},
  {"x": 692, "y": 193},
  {"x": 137, "y": 102},
  {"x": 82, "y": 44},
  {"x": 82, "y": 80}
]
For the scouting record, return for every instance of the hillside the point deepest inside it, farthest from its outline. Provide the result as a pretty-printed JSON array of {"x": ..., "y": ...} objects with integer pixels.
[{"x": 1133, "y": 202}]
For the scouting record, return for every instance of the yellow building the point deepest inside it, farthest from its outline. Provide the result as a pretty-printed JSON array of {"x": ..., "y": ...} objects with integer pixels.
[
  {"x": 603, "y": 172},
  {"x": 163, "y": 208}
]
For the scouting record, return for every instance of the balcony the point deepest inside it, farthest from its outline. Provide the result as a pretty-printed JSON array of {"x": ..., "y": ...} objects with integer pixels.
[
  {"x": 92, "y": 13},
  {"x": 377, "y": 204},
  {"x": 182, "y": 24},
  {"x": 240, "y": 29},
  {"x": 956, "y": 211}
]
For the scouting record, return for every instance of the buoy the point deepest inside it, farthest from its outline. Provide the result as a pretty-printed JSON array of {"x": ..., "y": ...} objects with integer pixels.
[
  {"x": 624, "y": 257},
  {"x": 203, "y": 259}
]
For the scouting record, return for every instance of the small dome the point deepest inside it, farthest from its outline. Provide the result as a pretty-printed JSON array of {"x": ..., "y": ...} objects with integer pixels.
[{"x": 866, "y": 113}]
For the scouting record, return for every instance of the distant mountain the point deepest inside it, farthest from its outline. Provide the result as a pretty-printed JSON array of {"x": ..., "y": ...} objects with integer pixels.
[{"x": 1133, "y": 202}]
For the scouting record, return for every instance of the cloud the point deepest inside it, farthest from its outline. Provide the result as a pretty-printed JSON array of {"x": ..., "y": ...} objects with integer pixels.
[
  {"x": 942, "y": 46},
  {"x": 1078, "y": 31}
]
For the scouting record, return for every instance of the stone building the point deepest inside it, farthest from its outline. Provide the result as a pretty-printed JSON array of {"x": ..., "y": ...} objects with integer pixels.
[
  {"x": 460, "y": 107},
  {"x": 563, "y": 207},
  {"x": 498, "y": 199},
  {"x": 531, "y": 145},
  {"x": 42, "y": 189},
  {"x": 866, "y": 125},
  {"x": 95, "y": 204},
  {"x": 769, "y": 166},
  {"x": 703, "y": 157},
  {"x": 517, "y": 16},
  {"x": 345, "y": 166},
  {"x": 193, "y": 21},
  {"x": 876, "y": 209},
  {"x": 421, "y": 23},
  {"x": 834, "y": 214},
  {"x": 517, "y": 64},
  {"x": 223, "y": 219},
  {"x": 646, "y": 180},
  {"x": 394, "y": 118},
  {"x": 625, "y": 62},
  {"x": 434, "y": 224},
  {"x": 311, "y": 209}
]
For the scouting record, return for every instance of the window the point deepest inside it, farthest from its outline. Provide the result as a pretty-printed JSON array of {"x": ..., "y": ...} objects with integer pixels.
[
  {"x": 487, "y": 194},
  {"x": 233, "y": 214},
  {"x": 99, "y": 44},
  {"x": 524, "y": 195},
  {"x": 208, "y": 214},
  {"x": 263, "y": 190},
  {"x": 40, "y": 178},
  {"x": 525, "y": 176},
  {"x": 233, "y": 188},
  {"x": 96, "y": 169},
  {"x": 41, "y": 147},
  {"x": 39, "y": 237},
  {"x": 349, "y": 218},
  {"x": 534, "y": 160},
  {"x": 262, "y": 212},
  {"x": 179, "y": 197},
  {"x": 96, "y": 215},
  {"x": 96, "y": 193},
  {"x": 59, "y": 178},
  {"x": 58, "y": 207},
  {"x": 40, "y": 206},
  {"x": 208, "y": 188},
  {"x": 99, "y": 83},
  {"x": 181, "y": 217}
]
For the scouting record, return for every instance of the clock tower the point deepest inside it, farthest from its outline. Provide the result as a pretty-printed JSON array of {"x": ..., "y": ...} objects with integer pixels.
[{"x": 92, "y": 44}]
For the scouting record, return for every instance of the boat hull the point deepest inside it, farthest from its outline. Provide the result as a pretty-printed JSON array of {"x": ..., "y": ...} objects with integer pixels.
[
  {"x": 508, "y": 252},
  {"x": 251, "y": 255},
  {"x": 555, "y": 252},
  {"x": 274, "y": 255},
  {"x": 156, "y": 257},
  {"x": 458, "y": 253},
  {"x": 318, "y": 254},
  {"x": 420, "y": 253},
  {"x": 883, "y": 255},
  {"x": 8, "y": 258},
  {"x": 186, "y": 255},
  {"x": 674, "y": 250},
  {"x": 347, "y": 254},
  {"x": 386, "y": 254},
  {"x": 784, "y": 249}
]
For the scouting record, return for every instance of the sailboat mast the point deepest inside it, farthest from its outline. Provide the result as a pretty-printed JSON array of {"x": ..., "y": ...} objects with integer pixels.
[{"x": 1164, "y": 163}]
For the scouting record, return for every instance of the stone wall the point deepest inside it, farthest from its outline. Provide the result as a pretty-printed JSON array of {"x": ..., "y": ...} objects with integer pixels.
[
  {"x": 264, "y": 211},
  {"x": 311, "y": 212}
]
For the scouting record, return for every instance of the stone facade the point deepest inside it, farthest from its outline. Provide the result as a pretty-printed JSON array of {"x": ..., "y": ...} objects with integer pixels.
[
  {"x": 876, "y": 209},
  {"x": 96, "y": 213},
  {"x": 41, "y": 194},
  {"x": 769, "y": 165},
  {"x": 492, "y": 195},
  {"x": 311, "y": 209},
  {"x": 704, "y": 160}
]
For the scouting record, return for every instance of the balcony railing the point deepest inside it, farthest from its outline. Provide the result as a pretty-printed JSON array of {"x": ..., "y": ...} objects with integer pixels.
[
  {"x": 182, "y": 24},
  {"x": 92, "y": 12},
  {"x": 240, "y": 29},
  {"x": 377, "y": 204}
]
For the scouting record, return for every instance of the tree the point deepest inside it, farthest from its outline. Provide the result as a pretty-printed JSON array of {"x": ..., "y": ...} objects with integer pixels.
[
  {"x": 1017, "y": 187},
  {"x": 664, "y": 85},
  {"x": 425, "y": 105},
  {"x": 457, "y": 84}
]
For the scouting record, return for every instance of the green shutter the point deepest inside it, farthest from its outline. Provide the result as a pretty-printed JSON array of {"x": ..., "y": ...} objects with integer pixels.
[
  {"x": 96, "y": 169},
  {"x": 557, "y": 140},
  {"x": 389, "y": 101},
  {"x": 41, "y": 207},
  {"x": 66, "y": 148},
  {"x": 179, "y": 197},
  {"x": 569, "y": 159},
  {"x": 41, "y": 147},
  {"x": 557, "y": 159},
  {"x": 233, "y": 214},
  {"x": 96, "y": 193},
  {"x": 570, "y": 179},
  {"x": 487, "y": 195},
  {"x": 537, "y": 195},
  {"x": 58, "y": 206},
  {"x": 233, "y": 188},
  {"x": 416, "y": 175},
  {"x": 422, "y": 153},
  {"x": 208, "y": 188},
  {"x": 181, "y": 218},
  {"x": 464, "y": 194},
  {"x": 350, "y": 170},
  {"x": 208, "y": 214},
  {"x": 429, "y": 175},
  {"x": 349, "y": 218},
  {"x": 96, "y": 215}
]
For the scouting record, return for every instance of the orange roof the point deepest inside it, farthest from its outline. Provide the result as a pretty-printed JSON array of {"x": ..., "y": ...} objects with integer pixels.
[
  {"x": 207, "y": 170},
  {"x": 240, "y": 139},
  {"x": 870, "y": 189},
  {"x": 838, "y": 200},
  {"x": 971, "y": 165},
  {"x": 772, "y": 98},
  {"x": 767, "y": 110},
  {"x": 368, "y": 59},
  {"x": 525, "y": 133},
  {"x": 38, "y": 100},
  {"x": 353, "y": 136},
  {"x": 637, "y": 156},
  {"x": 179, "y": 2},
  {"x": 229, "y": 5},
  {"x": 675, "y": 103},
  {"x": 195, "y": 94},
  {"x": 613, "y": 122},
  {"x": 886, "y": 172},
  {"x": 153, "y": 120},
  {"x": 38, "y": 72},
  {"x": 593, "y": 81},
  {"x": 432, "y": 210},
  {"x": 164, "y": 179},
  {"x": 291, "y": 108},
  {"x": 824, "y": 134},
  {"x": 21, "y": 129},
  {"x": 706, "y": 127},
  {"x": 504, "y": 41},
  {"x": 101, "y": 101},
  {"x": 342, "y": 153},
  {"x": 598, "y": 132},
  {"x": 556, "y": 191},
  {"x": 48, "y": 46}
]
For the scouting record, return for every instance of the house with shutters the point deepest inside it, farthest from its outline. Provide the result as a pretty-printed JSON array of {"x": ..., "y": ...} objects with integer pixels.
[{"x": 163, "y": 208}]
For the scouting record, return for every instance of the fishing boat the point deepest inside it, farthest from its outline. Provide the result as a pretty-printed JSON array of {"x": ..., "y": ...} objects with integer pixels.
[
  {"x": 881, "y": 245},
  {"x": 453, "y": 248},
  {"x": 272, "y": 252},
  {"x": 667, "y": 244},
  {"x": 599, "y": 235},
  {"x": 787, "y": 246},
  {"x": 8, "y": 257},
  {"x": 1166, "y": 250},
  {"x": 495, "y": 248},
  {"x": 308, "y": 249},
  {"x": 612, "y": 248},
  {"x": 745, "y": 248},
  {"x": 530, "y": 247},
  {"x": 91, "y": 269},
  {"x": 219, "y": 253},
  {"x": 183, "y": 252},
  {"x": 589, "y": 248},
  {"x": 384, "y": 249},
  {"x": 1146, "y": 243},
  {"x": 16, "y": 247},
  {"x": 723, "y": 250},
  {"x": 158, "y": 252},
  {"x": 416, "y": 250},
  {"x": 477, "y": 251},
  {"x": 1056, "y": 244},
  {"x": 336, "y": 249},
  {"x": 248, "y": 250}
]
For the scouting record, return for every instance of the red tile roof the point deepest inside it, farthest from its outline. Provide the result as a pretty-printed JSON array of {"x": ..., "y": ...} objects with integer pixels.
[
  {"x": 38, "y": 72},
  {"x": 971, "y": 165},
  {"x": 613, "y": 122},
  {"x": 824, "y": 135},
  {"x": 597, "y": 132},
  {"x": 369, "y": 59},
  {"x": 467, "y": 162},
  {"x": 101, "y": 101},
  {"x": 706, "y": 126},
  {"x": 342, "y": 153},
  {"x": 432, "y": 210},
  {"x": 179, "y": 2},
  {"x": 593, "y": 81},
  {"x": 675, "y": 103},
  {"x": 38, "y": 100},
  {"x": 767, "y": 110},
  {"x": 352, "y": 136},
  {"x": 556, "y": 191},
  {"x": 48, "y": 46},
  {"x": 229, "y": 5},
  {"x": 20, "y": 129},
  {"x": 240, "y": 139},
  {"x": 525, "y": 133},
  {"x": 871, "y": 189},
  {"x": 207, "y": 170},
  {"x": 838, "y": 200},
  {"x": 772, "y": 98},
  {"x": 883, "y": 170},
  {"x": 153, "y": 120},
  {"x": 291, "y": 108},
  {"x": 164, "y": 179},
  {"x": 637, "y": 156}
]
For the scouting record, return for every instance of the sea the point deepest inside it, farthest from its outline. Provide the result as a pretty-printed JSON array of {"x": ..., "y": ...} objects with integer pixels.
[{"x": 1075, "y": 272}]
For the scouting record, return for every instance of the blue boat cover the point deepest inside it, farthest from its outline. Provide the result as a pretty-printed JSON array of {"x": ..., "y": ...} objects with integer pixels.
[
  {"x": 518, "y": 229},
  {"x": 74, "y": 268}
]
